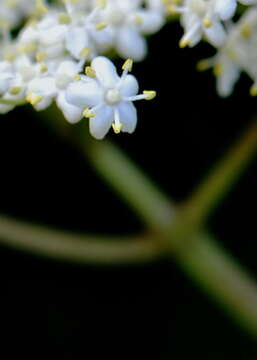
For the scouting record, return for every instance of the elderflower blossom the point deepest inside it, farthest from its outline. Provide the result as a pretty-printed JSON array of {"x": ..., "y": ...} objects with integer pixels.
[
  {"x": 106, "y": 99},
  {"x": 48, "y": 57},
  {"x": 47, "y": 61}
]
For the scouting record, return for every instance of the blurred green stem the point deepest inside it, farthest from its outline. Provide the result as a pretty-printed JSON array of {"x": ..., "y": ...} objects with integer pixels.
[
  {"x": 181, "y": 235},
  {"x": 222, "y": 177},
  {"x": 138, "y": 191},
  {"x": 222, "y": 278},
  {"x": 79, "y": 248},
  {"x": 198, "y": 256}
]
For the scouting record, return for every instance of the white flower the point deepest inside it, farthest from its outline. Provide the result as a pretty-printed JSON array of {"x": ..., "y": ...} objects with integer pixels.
[
  {"x": 202, "y": 18},
  {"x": 128, "y": 23},
  {"x": 6, "y": 76},
  {"x": 51, "y": 85},
  {"x": 13, "y": 11},
  {"x": 237, "y": 55},
  {"x": 106, "y": 99},
  {"x": 248, "y": 2},
  {"x": 225, "y": 9}
]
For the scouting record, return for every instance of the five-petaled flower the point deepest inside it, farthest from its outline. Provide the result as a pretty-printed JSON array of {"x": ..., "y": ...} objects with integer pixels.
[{"x": 106, "y": 98}]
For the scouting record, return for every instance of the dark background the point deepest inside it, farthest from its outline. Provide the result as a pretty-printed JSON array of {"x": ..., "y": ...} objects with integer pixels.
[{"x": 51, "y": 308}]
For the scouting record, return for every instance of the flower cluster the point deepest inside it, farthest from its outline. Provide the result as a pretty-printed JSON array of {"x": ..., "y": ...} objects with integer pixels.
[
  {"x": 49, "y": 60},
  {"x": 235, "y": 41},
  {"x": 62, "y": 50}
]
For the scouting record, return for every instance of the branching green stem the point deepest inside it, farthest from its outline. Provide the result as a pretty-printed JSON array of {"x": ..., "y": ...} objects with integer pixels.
[
  {"x": 79, "y": 248},
  {"x": 181, "y": 235}
]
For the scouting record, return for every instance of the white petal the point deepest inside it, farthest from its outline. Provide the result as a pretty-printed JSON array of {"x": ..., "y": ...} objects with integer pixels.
[
  {"x": 101, "y": 123},
  {"x": 84, "y": 93},
  {"x": 129, "y": 86},
  {"x": 193, "y": 34},
  {"x": 53, "y": 35},
  {"x": 225, "y": 8},
  {"x": 71, "y": 113},
  {"x": 248, "y": 2},
  {"x": 5, "y": 108},
  {"x": 43, "y": 104},
  {"x": 5, "y": 66},
  {"x": 215, "y": 34},
  {"x": 105, "y": 71},
  {"x": 103, "y": 38},
  {"x": 43, "y": 86},
  {"x": 76, "y": 41},
  {"x": 151, "y": 21},
  {"x": 130, "y": 44},
  {"x": 65, "y": 73},
  {"x": 128, "y": 116},
  {"x": 128, "y": 5},
  {"x": 227, "y": 79}
]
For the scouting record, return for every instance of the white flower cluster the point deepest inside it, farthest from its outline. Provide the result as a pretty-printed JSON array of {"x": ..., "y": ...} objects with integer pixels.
[
  {"x": 62, "y": 52},
  {"x": 12, "y": 12},
  {"x": 49, "y": 59},
  {"x": 235, "y": 41}
]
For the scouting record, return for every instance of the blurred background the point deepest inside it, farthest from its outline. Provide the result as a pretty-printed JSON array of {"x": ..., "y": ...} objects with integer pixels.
[{"x": 51, "y": 308}]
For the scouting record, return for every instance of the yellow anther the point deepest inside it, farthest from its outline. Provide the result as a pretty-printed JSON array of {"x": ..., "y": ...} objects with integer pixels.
[
  {"x": 9, "y": 57},
  {"x": 246, "y": 30},
  {"x": 217, "y": 69},
  {"x": 101, "y": 3},
  {"x": 117, "y": 127},
  {"x": 28, "y": 48},
  {"x": 202, "y": 65},
  {"x": 77, "y": 77},
  {"x": 11, "y": 3},
  {"x": 184, "y": 43},
  {"x": 89, "y": 71},
  {"x": 171, "y": 9},
  {"x": 150, "y": 94},
  {"x": 15, "y": 90},
  {"x": 253, "y": 90},
  {"x": 33, "y": 99},
  {"x": 41, "y": 7},
  {"x": 101, "y": 25},
  {"x": 87, "y": 113},
  {"x": 5, "y": 24},
  {"x": 128, "y": 64},
  {"x": 64, "y": 19},
  {"x": 207, "y": 23},
  {"x": 43, "y": 68},
  {"x": 168, "y": 2},
  {"x": 86, "y": 52},
  {"x": 138, "y": 19},
  {"x": 41, "y": 56}
]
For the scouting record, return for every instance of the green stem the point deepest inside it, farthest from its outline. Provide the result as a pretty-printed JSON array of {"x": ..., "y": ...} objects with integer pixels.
[
  {"x": 205, "y": 262},
  {"x": 223, "y": 176},
  {"x": 72, "y": 247},
  {"x": 223, "y": 279},
  {"x": 142, "y": 195}
]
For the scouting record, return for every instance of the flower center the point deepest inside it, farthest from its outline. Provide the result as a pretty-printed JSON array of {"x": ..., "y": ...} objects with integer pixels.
[{"x": 112, "y": 97}]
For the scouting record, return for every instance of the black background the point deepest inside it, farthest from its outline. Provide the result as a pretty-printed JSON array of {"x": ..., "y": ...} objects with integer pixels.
[{"x": 51, "y": 308}]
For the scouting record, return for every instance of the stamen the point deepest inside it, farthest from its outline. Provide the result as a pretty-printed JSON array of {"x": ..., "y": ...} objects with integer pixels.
[
  {"x": 90, "y": 72},
  {"x": 87, "y": 113}
]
